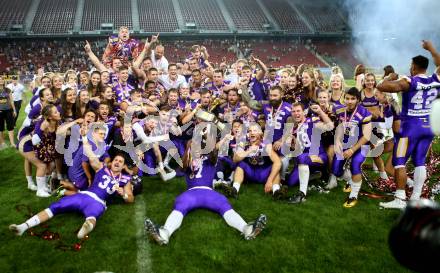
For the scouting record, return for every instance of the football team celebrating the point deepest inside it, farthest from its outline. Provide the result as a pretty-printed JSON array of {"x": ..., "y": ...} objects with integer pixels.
[{"x": 92, "y": 135}]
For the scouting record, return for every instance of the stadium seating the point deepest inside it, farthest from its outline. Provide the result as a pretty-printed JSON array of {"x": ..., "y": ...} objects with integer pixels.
[
  {"x": 246, "y": 15},
  {"x": 157, "y": 16},
  {"x": 204, "y": 13},
  {"x": 13, "y": 12},
  {"x": 280, "y": 54},
  {"x": 97, "y": 12},
  {"x": 287, "y": 17},
  {"x": 338, "y": 53},
  {"x": 323, "y": 18},
  {"x": 54, "y": 16}
]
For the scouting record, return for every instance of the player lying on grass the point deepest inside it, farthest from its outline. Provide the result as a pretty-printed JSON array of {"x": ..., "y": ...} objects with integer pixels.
[
  {"x": 200, "y": 174},
  {"x": 91, "y": 203}
]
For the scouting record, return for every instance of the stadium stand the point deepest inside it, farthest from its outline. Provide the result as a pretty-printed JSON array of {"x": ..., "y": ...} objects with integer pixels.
[
  {"x": 97, "y": 12},
  {"x": 13, "y": 12},
  {"x": 323, "y": 18},
  {"x": 204, "y": 13},
  {"x": 54, "y": 16},
  {"x": 246, "y": 15},
  {"x": 157, "y": 16},
  {"x": 287, "y": 18}
]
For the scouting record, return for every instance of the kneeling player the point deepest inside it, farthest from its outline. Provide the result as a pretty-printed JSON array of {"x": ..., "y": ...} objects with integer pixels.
[
  {"x": 90, "y": 203},
  {"x": 308, "y": 131},
  {"x": 351, "y": 138},
  {"x": 257, "y": 163},
  {"x": 199, "y": 174}
]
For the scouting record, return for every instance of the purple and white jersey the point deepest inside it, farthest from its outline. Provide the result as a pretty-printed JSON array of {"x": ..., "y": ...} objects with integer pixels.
[
  {"x": 76, "y": 171},
  {"x": 122, "y": 92},
  {"x": 353, "y": 121},
  {"x": 276, "y": 118},
  {"x": 217, "y": 90},
  {"x": 249, "y": 118},
  {"x": 416, "y": 103},
  {"x": 182, "y": 103},
  {"x": 200, "y": 173},
  {"x": 268, "y": 83},
  {"x": 257, "y": 90},
  {"x": 104, "y": 183},
  {"x": 309, "y": 137},
  {"x": 226, "y": 111},
  {"x": 258, "y": 158}
]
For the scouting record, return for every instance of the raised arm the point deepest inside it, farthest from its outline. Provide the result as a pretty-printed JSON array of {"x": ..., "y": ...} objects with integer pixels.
[
  {"x": 246, "y": 97},
  {"x": 260, "y": 75},
  {"x": 391, "y": 84},
  {"x": 93, "y": 158},
  {"x": 96, "y": 62},
  {"x": 434, "y": 53}
]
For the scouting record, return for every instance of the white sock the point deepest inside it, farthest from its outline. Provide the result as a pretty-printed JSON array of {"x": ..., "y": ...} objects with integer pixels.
[
  {"x": 41, "y": 183},
  {"x": 419, "y": 180},
  {"x": 236, "y": 186},
  {"x": 304, "y": 174},
  {"x": 284, "y": 165},
  {"x": 347, "y": 175},
  {"x": 400, "y": 194},
  {"x": 355, "y": 187},
  {"x": 30, "y": 180},
  {"x": 275, "y": 187},
  {"x": 220, "y": 175},
  {"x": 234, "y": 219},
  {"x": 172, "y": 223},
  {"x": 383, "y": 175},
  {"x": 332, "y": 179},
  {"x": 31, "y": 222}
]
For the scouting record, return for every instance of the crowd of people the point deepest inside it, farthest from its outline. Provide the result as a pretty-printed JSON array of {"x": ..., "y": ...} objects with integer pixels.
[{"x": 97, "y": 133}]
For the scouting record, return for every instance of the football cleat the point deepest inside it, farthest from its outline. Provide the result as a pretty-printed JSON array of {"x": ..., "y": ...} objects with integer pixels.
[
  {"x": 331, "y": 185},
  {"x": 17, "y": 231},
  {"x": 281, "y": 193},
  {"x": 229, "y": 190},
  {"x": 397, "y": 203},
  {"x": 351, "y": 202},
  {"x": 86, "y": 228},
  {"x": 347, "y": 187},
  {"x": 256, "y": 227},
  {"x": 153, "y": 232},
  {"x": 166, "y": 176},
  {"x": 298, "y": 198}
]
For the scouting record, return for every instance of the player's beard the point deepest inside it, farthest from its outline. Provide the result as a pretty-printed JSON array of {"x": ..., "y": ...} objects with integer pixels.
[{"x": 275, "y": 103}]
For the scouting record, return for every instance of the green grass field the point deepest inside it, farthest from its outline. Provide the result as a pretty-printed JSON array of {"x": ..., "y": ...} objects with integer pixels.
[{"x": 317, "y": 236}]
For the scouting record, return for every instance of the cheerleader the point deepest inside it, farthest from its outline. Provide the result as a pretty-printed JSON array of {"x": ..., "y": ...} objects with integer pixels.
[{"x": 38, "y": 148}]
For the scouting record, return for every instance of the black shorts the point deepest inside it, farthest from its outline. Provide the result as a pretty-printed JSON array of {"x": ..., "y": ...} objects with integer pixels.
[{"x": 8, "y": 117}]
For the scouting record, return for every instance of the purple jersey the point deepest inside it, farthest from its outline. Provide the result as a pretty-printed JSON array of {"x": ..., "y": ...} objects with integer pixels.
[
  {"x": 257, "y": 90},
  {"x": 201, "y": 173},
  {"x": 76, "y": 172},
  {"x": 309, "y": 137},
  {"x": 227, "y": 111},
  {"x": 353, "y": 122},
  {"x": 268, "y": 83},
  {"x": 416, "y": 103},
  {"x": 104, "y": 182},
  {"x": 122, "y": 92},
  {"x": 258, "y": 158},
  {"x": 276, "y": 118},
  {"x": 182, "y": 103},
  {"x": 217, "y": 90}
]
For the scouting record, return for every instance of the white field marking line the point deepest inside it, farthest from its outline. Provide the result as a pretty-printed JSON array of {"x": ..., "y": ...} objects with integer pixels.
[{"x": 143, "y": 247}]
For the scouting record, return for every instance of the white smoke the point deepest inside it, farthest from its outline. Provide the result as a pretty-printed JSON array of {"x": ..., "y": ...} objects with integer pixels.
[{"x": 390, "y": 31}]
